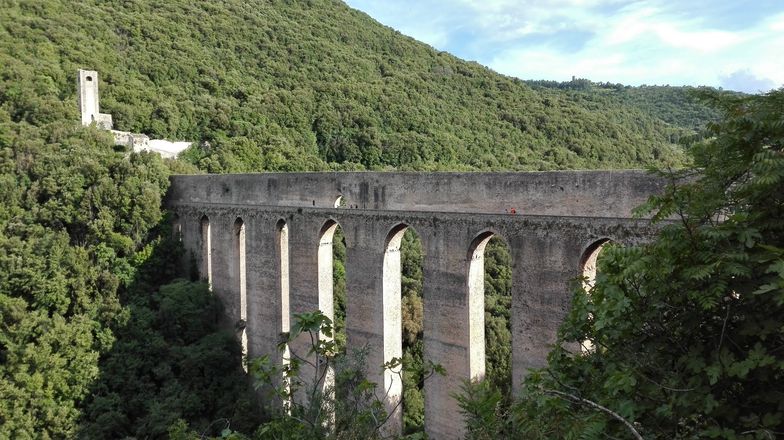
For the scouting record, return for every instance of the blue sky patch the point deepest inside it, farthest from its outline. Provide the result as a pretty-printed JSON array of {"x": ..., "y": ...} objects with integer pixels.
[{"x": 720, "y": 43}]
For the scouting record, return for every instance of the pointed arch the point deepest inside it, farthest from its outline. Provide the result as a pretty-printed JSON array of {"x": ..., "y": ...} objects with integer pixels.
[
  {"x": 588, "y": 261},
  {"x": 282, "y": 244},
  {"x": 282, "y": 240}
]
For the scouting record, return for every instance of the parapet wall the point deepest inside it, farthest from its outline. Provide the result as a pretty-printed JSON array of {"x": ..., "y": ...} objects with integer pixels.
[{"x": 611, "y": 194}]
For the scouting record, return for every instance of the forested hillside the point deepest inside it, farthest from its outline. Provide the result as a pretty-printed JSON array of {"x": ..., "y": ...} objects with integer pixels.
[
  {"x": 675, "y": 105},
  {"x": 285, "y": 85},
  {"x": 96, "y": 339}
]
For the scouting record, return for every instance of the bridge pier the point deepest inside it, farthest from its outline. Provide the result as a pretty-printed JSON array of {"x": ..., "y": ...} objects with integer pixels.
[
  {"x": 446, "y": 327},
  {"x": 365, "y": 309},
  {"x": 304, "y": 250},
  {"x": 545, "y": 265},
  {"x": 264, "y": 308},
  {"x": 225, "y": 267}
]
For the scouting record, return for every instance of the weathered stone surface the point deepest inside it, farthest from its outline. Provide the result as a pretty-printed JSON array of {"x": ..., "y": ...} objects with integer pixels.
[{"x": 559, "y": 216}]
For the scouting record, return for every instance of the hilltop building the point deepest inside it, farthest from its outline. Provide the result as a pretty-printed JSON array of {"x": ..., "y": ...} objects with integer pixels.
[
  {"x": 88, "y": 97},
  {"x": 87, "y": 82}
]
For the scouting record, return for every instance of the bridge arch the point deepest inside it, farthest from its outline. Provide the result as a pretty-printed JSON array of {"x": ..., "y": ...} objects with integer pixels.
[
  {"x": 326, "y": 294},
  {"x": 176, "y": 227},
  {"x": 476, "y": 305},
  {"x": 206, "y": 249},
  {"x": 589, "y": 258},
  {"x": 240, "y": 265},
  {"x": 282, "y": 248},
  {"x": 588, "y": 271},
  {"x": 392, "y": 310},
  {"x": 490, "y": 323}
]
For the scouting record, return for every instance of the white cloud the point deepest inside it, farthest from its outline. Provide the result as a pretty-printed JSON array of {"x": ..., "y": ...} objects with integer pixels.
[
  {"x": 627, "y": 41},
  {"x": 746, "y": 81}
]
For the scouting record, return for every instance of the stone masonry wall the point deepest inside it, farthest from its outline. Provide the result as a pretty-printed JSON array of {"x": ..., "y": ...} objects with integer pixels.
[{"x": 558, "y": 217}]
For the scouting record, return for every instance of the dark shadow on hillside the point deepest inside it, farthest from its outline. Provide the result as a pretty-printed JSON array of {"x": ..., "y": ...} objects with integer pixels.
[{"x": 170, "y": 359}]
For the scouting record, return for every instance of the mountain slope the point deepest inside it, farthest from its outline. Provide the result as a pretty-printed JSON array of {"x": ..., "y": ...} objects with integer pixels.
[
  {"x": 675, "y": 105},
  {"x": 285, "y": 85}
]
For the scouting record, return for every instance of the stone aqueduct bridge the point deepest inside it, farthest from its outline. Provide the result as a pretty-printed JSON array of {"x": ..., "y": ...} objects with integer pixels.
[{"x": 264, "y": 242}]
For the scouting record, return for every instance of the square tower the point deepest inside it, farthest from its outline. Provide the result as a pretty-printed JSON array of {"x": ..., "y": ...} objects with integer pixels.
[{"x": 87, "y": 85}]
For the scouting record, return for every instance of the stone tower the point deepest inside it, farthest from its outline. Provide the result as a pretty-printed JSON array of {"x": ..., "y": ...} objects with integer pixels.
[{"x": 87, "y": 85}]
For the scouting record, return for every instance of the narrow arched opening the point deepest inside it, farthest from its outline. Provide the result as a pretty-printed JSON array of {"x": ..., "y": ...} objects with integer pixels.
[
  {"x": 589, "y": 260},
  {"x": 498, "y": 316},
  {"x": 392, "y": 325},
  {"x": 282, "y": 240},
  {"x": 489, "y": 316},
  {"x": 241, "y": 279},
  {"x": 205, "y": 269},
  {"x": 402, "y": 329},
  {"x": 332, "y": 280},
  {"x": 589, "y": 268},
  {"x": 340, "y": 202},
  {"x": 332, "y": 295},
  {"x": 412, "y": 317},
  {"x": 176, "y": 227}
]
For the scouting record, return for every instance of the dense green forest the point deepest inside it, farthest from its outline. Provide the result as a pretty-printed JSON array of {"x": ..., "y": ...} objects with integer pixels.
[
  {"x": 284, "y": 85},
  {"x": 674, "y": 105},
  {"x": 91, "y": 343}
]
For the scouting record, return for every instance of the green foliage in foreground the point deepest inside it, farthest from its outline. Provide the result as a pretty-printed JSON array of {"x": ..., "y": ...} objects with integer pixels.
[
  {"x": 321, "y": 393},
  {"x": 304, "y": 85},
  {"x": 689, "y": 329},
  {"x": 171, "y": 362}
]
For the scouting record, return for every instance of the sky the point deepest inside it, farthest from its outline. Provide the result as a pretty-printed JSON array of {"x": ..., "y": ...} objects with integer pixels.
[{"x": 733, "y": 44}]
